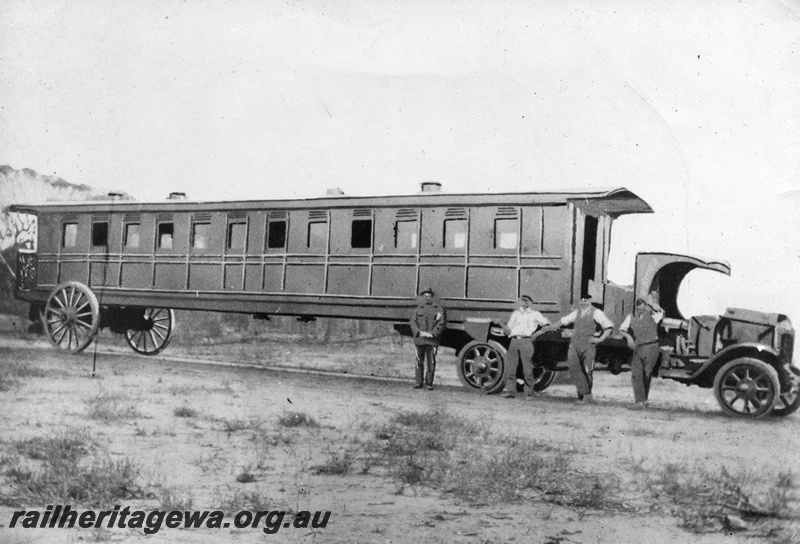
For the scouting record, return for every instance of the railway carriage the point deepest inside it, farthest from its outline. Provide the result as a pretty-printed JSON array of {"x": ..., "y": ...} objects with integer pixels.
[{"x": 127, "y": 265}]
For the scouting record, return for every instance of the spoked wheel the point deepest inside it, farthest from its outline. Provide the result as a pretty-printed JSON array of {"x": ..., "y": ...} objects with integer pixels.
[
  {"x": 481, "y": 366},
  {"x": 542, "y": 378},
  {"x": 789, "y": 402},
  {"x": 71, "y": 317},
  {"x": 746, "y": 388},
  {"x": 154, "y": 332}
]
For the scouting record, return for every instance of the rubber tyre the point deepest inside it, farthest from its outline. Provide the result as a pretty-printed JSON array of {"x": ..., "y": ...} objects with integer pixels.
[{"x": 746, "y": 388}]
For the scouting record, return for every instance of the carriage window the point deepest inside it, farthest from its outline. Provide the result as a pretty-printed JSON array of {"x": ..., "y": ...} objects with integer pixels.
[
  {"x": 276, "y": 238},
  {"x": 236, "y": 236},
  {"x": 165, "y": 231},
  {"x": 131, "y": 235},
  {"x": 455, "y": 233},
  {"x": 200, "y": 235},
  {"x": 505, "y": 234},
  {"x": 317, "y": 236},
  {"x": 361, "y": 233},
  {"x": 69, "y": 236},
  {"x": 405, "y": 235},
  {"x": 99, "y": 234}
]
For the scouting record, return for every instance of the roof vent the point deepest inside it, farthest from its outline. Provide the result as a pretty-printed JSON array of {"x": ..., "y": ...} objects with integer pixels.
[
  {"x": 177, "y": 196},
  {"x": 335, "y": 191},
  {"x": 430, "y": 187}
]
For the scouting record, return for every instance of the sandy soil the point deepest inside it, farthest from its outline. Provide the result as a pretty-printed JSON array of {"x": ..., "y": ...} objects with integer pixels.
[{"x": 200, "y": 457}]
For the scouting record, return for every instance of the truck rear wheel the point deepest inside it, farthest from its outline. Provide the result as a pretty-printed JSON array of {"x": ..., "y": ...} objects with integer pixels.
[
  {"x": 481, "y": 366},
  {"x": 788, "y": 403},
  {"x": 746, "y": 387}
]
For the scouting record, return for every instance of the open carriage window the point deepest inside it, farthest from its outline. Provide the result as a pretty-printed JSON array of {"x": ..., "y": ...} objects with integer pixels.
[
  {"x": 276, "y": 237},
  {"x": 69, "y": 235},
  {"x": 99, "y": 234},
  {"x": 165, "y": 234},
  {"x": 361, "y": 233}
]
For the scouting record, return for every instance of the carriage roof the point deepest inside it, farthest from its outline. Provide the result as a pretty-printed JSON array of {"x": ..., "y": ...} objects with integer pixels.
[{"x": 615, "y": 202}]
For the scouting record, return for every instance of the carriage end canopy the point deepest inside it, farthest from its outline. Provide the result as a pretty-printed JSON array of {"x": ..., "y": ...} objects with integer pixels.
[{"x": 663, "y": 273}]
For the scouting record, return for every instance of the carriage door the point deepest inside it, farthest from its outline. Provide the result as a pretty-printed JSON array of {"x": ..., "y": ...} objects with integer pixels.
[{"x": 589, "y": 261}]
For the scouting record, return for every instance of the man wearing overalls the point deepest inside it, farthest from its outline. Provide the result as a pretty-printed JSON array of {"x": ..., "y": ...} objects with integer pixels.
[
  {"x": 641, "y": 334},
  {"x": 580, "y": 359}
]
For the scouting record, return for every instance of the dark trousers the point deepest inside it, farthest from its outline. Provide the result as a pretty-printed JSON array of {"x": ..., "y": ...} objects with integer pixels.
[
  {"x": 642, "y": 365},
  {"x": 580, "y": 360},
  {"x": 520, "y": 351},
  {"x": 425, "y": 353}
]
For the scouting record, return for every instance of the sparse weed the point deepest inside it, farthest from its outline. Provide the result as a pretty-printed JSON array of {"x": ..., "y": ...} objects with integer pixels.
[
  {"x": 640, "y": 431},
  {"x": 236, "y": 500},
  {"x": 12, "y": 374},
  {"x": 704, "y": 501},
  {"x": 338, "y": 463},
  {"x": 296, "y": 419},
  {"x": 110, "y": 407},
  {"x": 236, "y": 425},
  {"x": 170, "y": 500},
  {"x": 67, "y": 468},
  {"x": 184, "y": 411}
]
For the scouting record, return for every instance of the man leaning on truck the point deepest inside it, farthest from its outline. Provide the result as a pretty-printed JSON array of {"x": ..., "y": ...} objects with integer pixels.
[
  {"x": 524, "y": 325},
  {"x": 427, "y": 325},
  {"x": 580, "y": 359}
]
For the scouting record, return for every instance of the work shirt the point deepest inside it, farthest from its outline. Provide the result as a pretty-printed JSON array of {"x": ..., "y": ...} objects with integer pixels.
[
  {"x": 428, "y": 318},
  {"x": 644, "y": 330},
  {"x": 585, "y": 324},
  {"x": 525, "y": 322}
]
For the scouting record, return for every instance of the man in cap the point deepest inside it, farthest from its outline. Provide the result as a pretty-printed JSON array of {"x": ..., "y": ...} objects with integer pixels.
[
  {"x": 524, "y": 325},
  {"x": 427, "y": 325},
  {"x": 580, "y": 359},
  {"x": 641, "y": 333}
]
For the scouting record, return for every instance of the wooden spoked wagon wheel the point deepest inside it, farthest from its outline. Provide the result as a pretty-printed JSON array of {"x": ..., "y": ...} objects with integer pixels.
[
  {"x": 155, "y": 332},
  {"x": 71, "y": 317}
]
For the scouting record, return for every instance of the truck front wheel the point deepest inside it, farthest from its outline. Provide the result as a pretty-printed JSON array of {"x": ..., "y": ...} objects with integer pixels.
[{"x": 746, "y": 387}]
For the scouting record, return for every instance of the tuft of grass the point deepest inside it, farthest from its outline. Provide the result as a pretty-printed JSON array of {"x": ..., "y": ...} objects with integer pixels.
[
  {"x": 110, "y": 407},
  {"x": 296, "y": 419},
  {"x": 705, "y": 500},
  {"x": 67, "y": 446},
  {"x": 245, "y": 477},
  {"x": 338, "y": 463},
  {"x": 170, "y": 500},
  {"x": 8, "y": 381},
  {"x": 12, "y": 373},
  {"x": 184, "y": 411},
  {"x": 68, "y": 469},
  {"x": 237, "y": 500}
]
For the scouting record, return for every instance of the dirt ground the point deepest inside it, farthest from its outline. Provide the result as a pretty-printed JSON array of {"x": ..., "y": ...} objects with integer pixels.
[{"x": 192, "y": 430}]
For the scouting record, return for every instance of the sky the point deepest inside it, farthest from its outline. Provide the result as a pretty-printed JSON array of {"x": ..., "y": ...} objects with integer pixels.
[{"x": 692, "y": 105}]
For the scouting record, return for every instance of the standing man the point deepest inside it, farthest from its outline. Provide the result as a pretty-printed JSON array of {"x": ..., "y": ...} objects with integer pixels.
[
  {"x": 641, "y": 334},
  {"x": 427, "y": 325},
  {"x": 580, "y": 360},
  {"x": 522, "y": 330}
]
